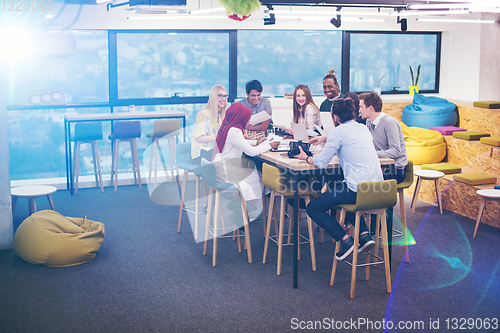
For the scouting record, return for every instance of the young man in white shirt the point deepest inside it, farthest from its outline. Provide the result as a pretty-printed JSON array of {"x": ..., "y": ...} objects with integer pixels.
[{"x": 351, "y": 143}]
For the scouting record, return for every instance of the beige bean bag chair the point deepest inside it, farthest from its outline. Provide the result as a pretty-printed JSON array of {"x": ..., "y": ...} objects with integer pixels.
[{"x": 51, "y": 239}]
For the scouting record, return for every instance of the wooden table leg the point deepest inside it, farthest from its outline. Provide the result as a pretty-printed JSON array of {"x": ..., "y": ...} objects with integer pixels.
[
  {"x": 415, "y": 194},
  {"x": 32, "y": 205},
  {"x": 479, "y": 215},
  {"x": 436, "y": 182},
  {"x": 50, "y": 202}
]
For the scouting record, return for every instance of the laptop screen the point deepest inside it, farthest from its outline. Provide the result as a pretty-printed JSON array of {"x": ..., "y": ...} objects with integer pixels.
[{"x": 299, "y": 132}]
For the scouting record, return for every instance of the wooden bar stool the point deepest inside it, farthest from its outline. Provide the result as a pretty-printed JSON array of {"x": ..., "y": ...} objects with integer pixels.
[
  {"x": 372, "y": 198},
  {"x": 216, "y": 188},
  {"x": 185, "y": 162},
  {"x": 127, "y": 131},
  {"x": 87, "y": 133},
  {"x": 273, "y": 178},
  {"x": 406, "y": 183},
  {"x": 427, "y": 175},
  {"x": 168, "y": 128},
  {"x": 488, "y": 194}
]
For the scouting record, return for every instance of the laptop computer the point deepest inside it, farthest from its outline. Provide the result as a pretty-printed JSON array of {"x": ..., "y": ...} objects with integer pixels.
[
  {"x": 327, "y": 121},
  {"x": 299, "y": 132}
]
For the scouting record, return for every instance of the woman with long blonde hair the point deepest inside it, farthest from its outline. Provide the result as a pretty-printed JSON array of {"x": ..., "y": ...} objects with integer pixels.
[{"x": 208, "y": 121}]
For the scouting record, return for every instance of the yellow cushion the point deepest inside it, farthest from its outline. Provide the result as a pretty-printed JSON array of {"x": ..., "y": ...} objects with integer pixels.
[
  {"x": 423, "y": 145},
  {"x": 470, "y": 135},
  {"x": 487, "y": 104},
  {"x": 475, "y": 178},
  {"x": 443, "y": 167},
  {"x": 491, "y": 140},
  {"x": 418, "y": 137},
  {"x": 51, "y": 239}
]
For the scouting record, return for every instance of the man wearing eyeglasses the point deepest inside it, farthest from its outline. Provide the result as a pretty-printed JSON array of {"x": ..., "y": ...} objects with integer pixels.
[{"x": 256, "y": 103}]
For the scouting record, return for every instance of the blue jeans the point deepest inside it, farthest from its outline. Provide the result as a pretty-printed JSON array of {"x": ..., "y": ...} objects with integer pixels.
[{"x": 338, "y": 193}]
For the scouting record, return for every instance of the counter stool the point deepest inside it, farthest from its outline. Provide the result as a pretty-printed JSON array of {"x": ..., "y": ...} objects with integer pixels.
[
  {"x": 488, "y": 194},
  {"x": 216, "y": 188},
  {"x": 372, "y": 198},
  {"x": 185, "y": 162},
  {"x": 31, "y": 193},
  {"x": 273, "y": 178},
  {"x": 161, "y": 128},
  {"x": 125, "y": 131},
  {"x": 406, "y": 183},
  {"x": 87, "y": 133},
  {"x": 427, "y": 175}
]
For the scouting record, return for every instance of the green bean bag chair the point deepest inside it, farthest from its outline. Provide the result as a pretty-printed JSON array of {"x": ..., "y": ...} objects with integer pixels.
[
  {"x": 423, "y": 146},
  {"x": 51, "y": 239}
]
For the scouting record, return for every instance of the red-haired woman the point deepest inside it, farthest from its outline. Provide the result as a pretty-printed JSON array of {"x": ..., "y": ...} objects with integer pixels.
[
  {"x": 230, "y": 145},
  {"x": 305, "y": 110}
]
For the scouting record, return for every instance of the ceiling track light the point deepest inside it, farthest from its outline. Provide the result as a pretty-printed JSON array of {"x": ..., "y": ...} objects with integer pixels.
[
  {"x": 336, "y": 21},
  {"x": 271, "y": 19},
  {"x": 404, "y": 23}
]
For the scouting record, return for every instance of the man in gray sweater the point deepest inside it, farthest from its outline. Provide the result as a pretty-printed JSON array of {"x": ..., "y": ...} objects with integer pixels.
[{"x": 387, "y": 135}]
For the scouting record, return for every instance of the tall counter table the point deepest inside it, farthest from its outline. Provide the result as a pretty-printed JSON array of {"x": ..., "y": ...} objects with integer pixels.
[
  {"x": 76, "y": 118},
  {"x": 300, "y": 170}
]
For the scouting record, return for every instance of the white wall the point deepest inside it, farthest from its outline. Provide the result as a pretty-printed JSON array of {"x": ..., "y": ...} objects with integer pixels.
[
  {"x": 6, "y": 225},
  {"x": 460, "y": 62},
  {"x": 489, "y": 69}
]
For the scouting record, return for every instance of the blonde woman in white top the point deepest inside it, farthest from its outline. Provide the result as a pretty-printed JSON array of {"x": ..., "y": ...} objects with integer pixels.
[
  {"x": 305, "y": 110},
  {"x": 208, "y": 121}
]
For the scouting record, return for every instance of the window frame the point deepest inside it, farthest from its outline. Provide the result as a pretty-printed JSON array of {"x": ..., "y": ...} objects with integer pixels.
[
  {"x": 114, "y": 101},
  {"x": 346, "y": 54}
]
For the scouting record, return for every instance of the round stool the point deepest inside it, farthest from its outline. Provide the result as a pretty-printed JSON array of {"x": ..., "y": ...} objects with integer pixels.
[
  {"x": 427, "y": 175},
  {"x": 489, "y": 194},
  {"x": 32, "y": 192}
]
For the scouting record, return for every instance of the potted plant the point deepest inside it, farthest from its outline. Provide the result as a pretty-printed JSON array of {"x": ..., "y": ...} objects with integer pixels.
[
  {"x": 240, "y": 10},
  {"x": 377, "y": 80},
  {"x": 414, "y": 81}
]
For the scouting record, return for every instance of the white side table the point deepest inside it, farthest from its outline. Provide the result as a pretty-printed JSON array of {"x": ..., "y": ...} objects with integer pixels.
[
  {"x": 32, "y": 192},
  {"x": 427, "y": 175},
  {"x": 489, "y": 194}
]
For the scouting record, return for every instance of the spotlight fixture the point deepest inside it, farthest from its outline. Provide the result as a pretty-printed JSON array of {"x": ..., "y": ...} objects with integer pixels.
[
  {"x": 271, "y": 19},
  {"x": 336, "y": 21},
  {"x": 404, "y": 24}
]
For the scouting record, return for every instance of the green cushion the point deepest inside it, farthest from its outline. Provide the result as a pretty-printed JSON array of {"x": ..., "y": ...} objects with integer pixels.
[
  {"x": 448, "y": 169},
  {"x": 470, "y": 135},
  {"x": 475, "y": 178},
  {"x": 492, "y": 140},
  {"x": 487, "y": 104}
]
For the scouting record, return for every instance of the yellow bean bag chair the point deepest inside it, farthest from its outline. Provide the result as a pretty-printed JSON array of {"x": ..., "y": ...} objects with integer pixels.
[
  {"x": 423, "y": 146},
  {"x": 51, "y": 239}
]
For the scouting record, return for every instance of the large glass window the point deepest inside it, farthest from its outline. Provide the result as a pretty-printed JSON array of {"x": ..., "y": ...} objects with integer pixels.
[
  {"x": 280, "y": 60},
  {"x": 383, "y": 60},
  {"x": 171, "y": 64},
  {"x": 63, "y": 67}
]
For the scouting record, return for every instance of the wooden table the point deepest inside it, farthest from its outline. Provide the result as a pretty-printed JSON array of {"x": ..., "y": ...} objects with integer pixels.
[
  {"x": 487, "y": 194},
  {"x": 300, "y": 169},
  {"x": 31, "y": 193},
  {"x": 427, "y": 175},
  {"x": 75, "y": 118}
]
